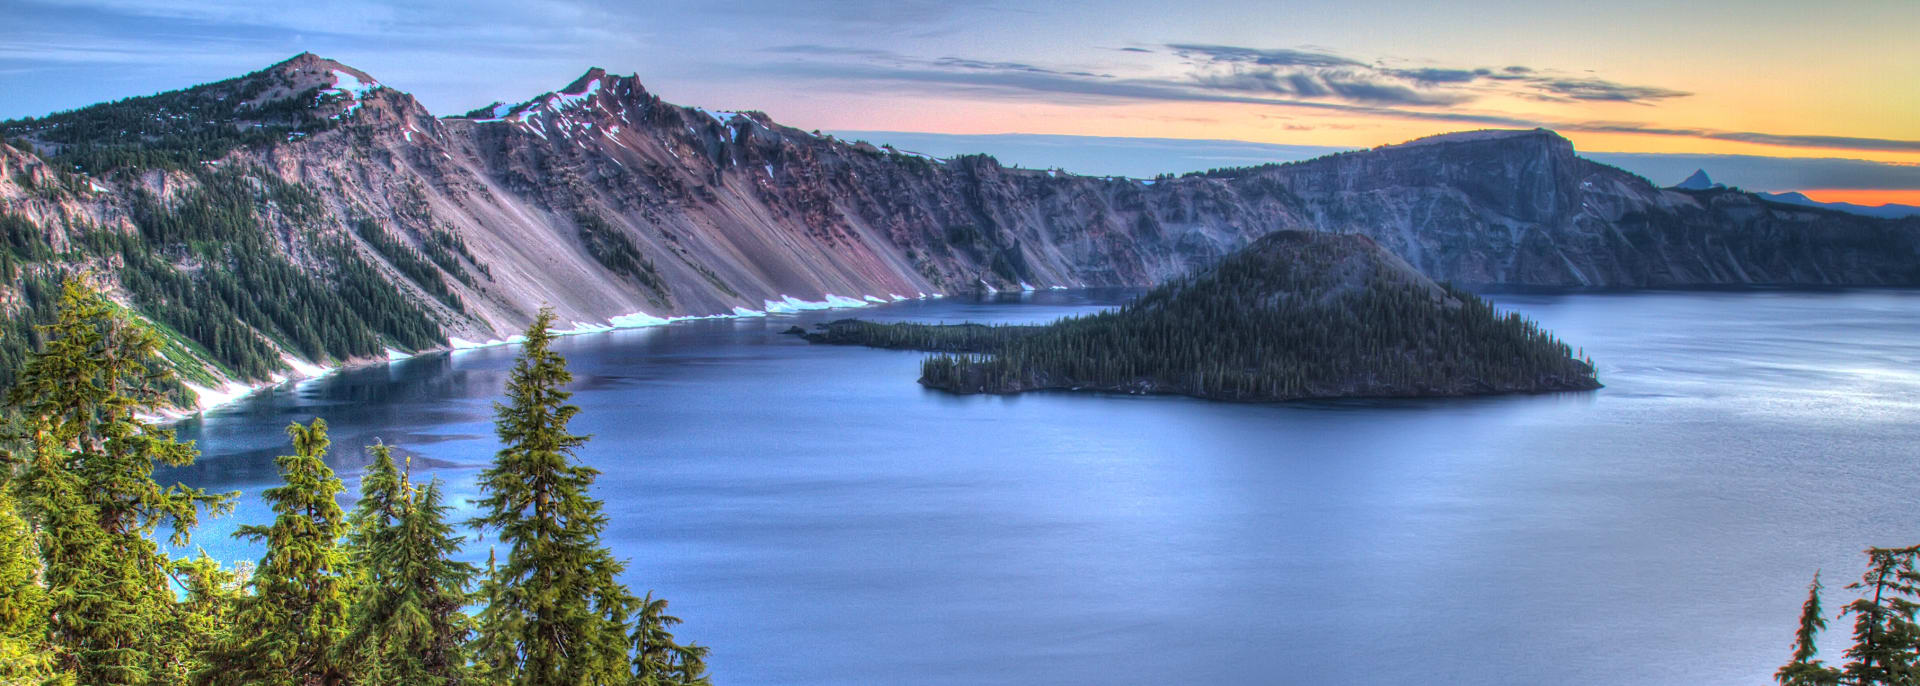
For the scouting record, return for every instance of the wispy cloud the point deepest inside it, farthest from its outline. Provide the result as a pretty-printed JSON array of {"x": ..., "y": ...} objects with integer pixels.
[
  {"x": 1320, "y": 74},
  {"x": 1292, "y": 79}
]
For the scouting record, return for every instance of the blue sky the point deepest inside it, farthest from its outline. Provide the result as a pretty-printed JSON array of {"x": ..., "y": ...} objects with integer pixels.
[{"x": 1758, "y": 78}]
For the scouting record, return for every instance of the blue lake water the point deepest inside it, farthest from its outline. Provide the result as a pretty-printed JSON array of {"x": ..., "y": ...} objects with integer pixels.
[{"x": 818, "y": 518}]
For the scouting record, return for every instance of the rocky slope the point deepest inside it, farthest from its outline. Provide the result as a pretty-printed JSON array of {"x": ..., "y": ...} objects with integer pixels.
[
  {"x": 604, "y": 201},
  {"x": 1294, "y": 315}
]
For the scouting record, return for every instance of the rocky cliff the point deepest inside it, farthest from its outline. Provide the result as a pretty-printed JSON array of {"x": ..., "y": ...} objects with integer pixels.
[{"x": 602, "y": 200}]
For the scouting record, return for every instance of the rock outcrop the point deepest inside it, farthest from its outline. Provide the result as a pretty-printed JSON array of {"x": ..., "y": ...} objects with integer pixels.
[{"x": 602, "y": 200}]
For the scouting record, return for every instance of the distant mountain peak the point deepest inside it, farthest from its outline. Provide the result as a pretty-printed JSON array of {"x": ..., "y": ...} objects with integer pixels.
[
  {"x": 1481, "y": 135},
  {"x": 582, "y": 92},
  {"x": 1699, "y": 181},
  {"x": 581, "y": 84}
]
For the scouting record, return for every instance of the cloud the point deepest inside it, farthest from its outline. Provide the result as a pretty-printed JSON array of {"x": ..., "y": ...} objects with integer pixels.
[
  {"x": 1432, "y": 75},
  {"x": 1269, "y": 58},
  {"x": 1600, "y": 89},
  {"x": 1297, "y": 72},
  {"x": 1281, "y": 91}
]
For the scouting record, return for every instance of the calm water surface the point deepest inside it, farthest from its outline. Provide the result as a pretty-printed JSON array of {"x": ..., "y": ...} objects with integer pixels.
[{"x": 818, "y": 518}]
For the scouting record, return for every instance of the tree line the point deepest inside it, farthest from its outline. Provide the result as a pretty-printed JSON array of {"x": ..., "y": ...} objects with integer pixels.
[
  {"x": 1293, "y": 316},
  {"x": 177, "y": 130},
  {"x": 373, "y": 596},
  {"x": 201, "y": 267},
  {"x": 1886, "y": 638}
]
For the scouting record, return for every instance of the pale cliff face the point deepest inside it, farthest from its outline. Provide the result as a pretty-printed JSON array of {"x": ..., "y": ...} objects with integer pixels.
[{"x": 732, "y": 210}]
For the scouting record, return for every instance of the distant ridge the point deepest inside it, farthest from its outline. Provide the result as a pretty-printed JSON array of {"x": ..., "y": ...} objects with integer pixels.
[
  {"x": 307, "y": 215},
  {"x": 1699, "y": 181}
]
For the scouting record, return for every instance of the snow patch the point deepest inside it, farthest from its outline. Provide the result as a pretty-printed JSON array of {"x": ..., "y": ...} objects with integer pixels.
[
  {"x": 875, "y": 299},
  {"x": 305, "y": 370},
  {"x": 1025, "y": 286},
  {"x": 395, "y": 355},
  {"x": 636, "y": 320},
  {"x": 837, "y": 301},
  {"x": 352, "y": 85},
  {"x": 580, "y": 328},
  {"x": 788, "y": 303},
  {"x": 739, "y": 311},
  {"x": 564, "y": 100},
  {"x": 205, "y": 398},
  {"x": 721, "y": 116}
]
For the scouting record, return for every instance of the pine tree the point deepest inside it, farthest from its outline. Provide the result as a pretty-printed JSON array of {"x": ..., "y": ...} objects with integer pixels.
[
  {"x": 657, "y": 659},
  {"x": 406, "y": 625},
  {"x": 1886, "y": 641},
  {"x": 285, "y": 634},
  {"x": 88, "y": 487},
  {"x": 211, "y": 600},
  {"x": 556, "y": 614},
  {"x": 1804, "y": 669},
  {"x": 24, "y": 656},
  {"x": 381, "y": 494}
]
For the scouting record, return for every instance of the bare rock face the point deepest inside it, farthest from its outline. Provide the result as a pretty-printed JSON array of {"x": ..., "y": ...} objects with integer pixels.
[{"x": 602, "y": 200}]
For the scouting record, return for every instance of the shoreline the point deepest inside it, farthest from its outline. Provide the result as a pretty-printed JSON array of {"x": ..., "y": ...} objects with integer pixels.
[{"x": 210, "y": 398}]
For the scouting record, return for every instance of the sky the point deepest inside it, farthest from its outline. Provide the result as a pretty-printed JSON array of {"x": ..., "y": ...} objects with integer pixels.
[{"x": 1794, "y": 82}]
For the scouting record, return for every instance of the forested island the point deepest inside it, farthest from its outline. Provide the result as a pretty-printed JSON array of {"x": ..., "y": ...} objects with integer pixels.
[{"x": 1295, "y": 315}]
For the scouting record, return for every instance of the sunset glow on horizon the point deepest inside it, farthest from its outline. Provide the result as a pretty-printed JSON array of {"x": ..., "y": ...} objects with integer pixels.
[{"x": 1719, "y": 77}]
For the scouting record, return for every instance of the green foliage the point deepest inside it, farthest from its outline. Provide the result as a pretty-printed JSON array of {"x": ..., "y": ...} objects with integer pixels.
[
  {"x": 287, "y": 631},
  {"x": 88, "y": 487},
  {"x": 22, "y": 335},
  {"x": 555, "y": 613},
  {"x": 1297, "y": 315},
  {"x": 953, "y": 338},
  {"x": 406, "y": 627},
  {"x": 247, "y": 287},
  {"x": 24, "y": 654},
  {"x": 209, "y": 603},
  {"x": 1886, "y": 641},
  {"x": 657, "y": 659},
  {"x": 615, "y": 251},
  {"x": 375, "y": 598},
  {"x": 1804, "y": 669},
  {"x": 442, "y": 247},
  {"x": 175, "y": 130},
  {"x": 408, "y": 261}
]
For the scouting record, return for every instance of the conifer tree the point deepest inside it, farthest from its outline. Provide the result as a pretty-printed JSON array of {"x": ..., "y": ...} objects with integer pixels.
[
  {"x": 657, "y": 659},
  {"x": 1805, "y": 669},
  {"x": 88, "y": 488},
  {"x": 285, "y": 634},
  {"x": 24, "y": 657},
  {"x": 406, "y": 626},
  {"x": 1886, "y": 641},
  {"x": 381, "y": 494},
  {"x": 555, "y": 613},
  {"x": 211, "y": 597}
]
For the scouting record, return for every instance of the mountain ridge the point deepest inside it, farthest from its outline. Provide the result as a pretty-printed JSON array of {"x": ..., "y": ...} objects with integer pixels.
[{"x": 605, "y": 201}]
